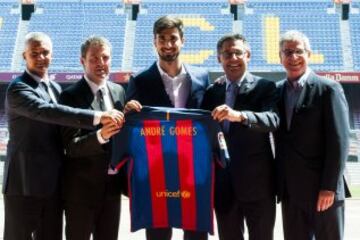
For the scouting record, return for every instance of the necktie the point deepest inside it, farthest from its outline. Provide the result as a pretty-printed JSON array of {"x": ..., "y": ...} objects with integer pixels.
[
  {"x": 292, "y": 96},
  {"x": 231, "y": 93},
  {"x": 49, "y": 91},
  {"x": 100, "y": 98}
]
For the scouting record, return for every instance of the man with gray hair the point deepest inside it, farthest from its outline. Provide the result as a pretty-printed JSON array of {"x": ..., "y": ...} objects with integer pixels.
[
  {"x": 91, "y": 191},
  {"x": 31, "y": 184},
  {"x": 311, "y": 146}
]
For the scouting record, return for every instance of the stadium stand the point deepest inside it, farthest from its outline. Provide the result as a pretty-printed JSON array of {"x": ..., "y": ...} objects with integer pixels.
[
  {"x": 74, "y": 21},
  {"x": 9, "y": 19},
  {"x": 204, "y": 24},
  {"x": 268, "y": 20}
]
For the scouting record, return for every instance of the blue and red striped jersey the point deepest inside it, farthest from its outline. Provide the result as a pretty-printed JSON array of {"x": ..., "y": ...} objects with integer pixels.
[{"x": 171, "y": 167}]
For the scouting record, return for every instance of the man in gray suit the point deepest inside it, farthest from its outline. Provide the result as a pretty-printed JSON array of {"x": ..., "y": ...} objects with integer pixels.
[
  {"x": 311, "y": 146},
  {"x": 34, "y": 152},
  {"x": 91, "y": 191}
]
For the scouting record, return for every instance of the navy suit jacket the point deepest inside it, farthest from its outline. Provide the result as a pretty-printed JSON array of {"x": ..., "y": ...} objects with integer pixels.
[
  {"x": 250, "y": 175},
  {"x": 148, "y": 88},
  {"x": 311, "y": 155},
  {"x": 34, "y": 151},
  {"x": 87, "y": 161}
]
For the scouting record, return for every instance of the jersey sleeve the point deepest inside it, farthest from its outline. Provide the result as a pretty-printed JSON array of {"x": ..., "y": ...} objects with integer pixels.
[{"x": 219, "y": 144}]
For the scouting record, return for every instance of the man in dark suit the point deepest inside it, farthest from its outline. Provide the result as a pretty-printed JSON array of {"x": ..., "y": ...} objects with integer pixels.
[
  {"x": 311, "y": 146},
  {"x": 168, "y": 83},
  {"x": 34, "y": 152},
  {"x": 91, "y": 191},
  {"x": 246, "y": 106}
]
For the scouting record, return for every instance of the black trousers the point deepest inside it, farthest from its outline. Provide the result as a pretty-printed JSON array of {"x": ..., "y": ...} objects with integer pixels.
[
  {"x": 101, "y": 220},
  {"x": 166, "y": 233},
  {"x": 32, "y": 218},
  {"x": 305, "y": 223},
  {"x": 259, "y": 217}
]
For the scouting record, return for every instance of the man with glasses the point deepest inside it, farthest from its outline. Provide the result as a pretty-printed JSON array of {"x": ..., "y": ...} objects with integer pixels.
[
  {"x": 311, "y": 146},
  {"x": 246, "y": 106}
]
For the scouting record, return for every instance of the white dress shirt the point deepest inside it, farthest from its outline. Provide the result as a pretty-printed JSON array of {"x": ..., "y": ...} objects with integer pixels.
[{"x": 177, "y": 88}]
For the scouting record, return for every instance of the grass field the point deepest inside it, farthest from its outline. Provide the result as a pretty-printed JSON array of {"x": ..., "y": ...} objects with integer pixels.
[{"x": 355, "y": 191}]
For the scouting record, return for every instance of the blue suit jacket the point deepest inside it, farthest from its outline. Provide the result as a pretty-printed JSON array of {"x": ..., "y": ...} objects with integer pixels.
[
  {"x": 148, "y": 88},
  {"x": 311, "y": 155},
  {"x": 34, "y": 152},
  {"x": 251, "y": 173}
]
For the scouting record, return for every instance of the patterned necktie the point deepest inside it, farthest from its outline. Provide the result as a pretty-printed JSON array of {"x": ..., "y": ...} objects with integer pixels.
[{"x": 231, "y": 93}]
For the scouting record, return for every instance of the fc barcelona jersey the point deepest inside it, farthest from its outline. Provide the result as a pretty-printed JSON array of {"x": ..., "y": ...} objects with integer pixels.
[{"x": 172, "y": 154}]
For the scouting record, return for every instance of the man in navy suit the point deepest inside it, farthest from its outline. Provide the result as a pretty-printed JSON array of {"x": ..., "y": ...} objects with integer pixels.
[
  {"x": 91, "y": 191},
  {"x": 311, "y": 146},
  {"x": 246, "y": 106},
  {"x": 168, "y": 83},
  {"x": 34, "y": 153}
]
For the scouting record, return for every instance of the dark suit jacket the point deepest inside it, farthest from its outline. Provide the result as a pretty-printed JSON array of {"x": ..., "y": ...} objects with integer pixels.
[
  {"x": 311, "y": 155},
  {"x": 87, "y": 161},
  {"x": 148, "y": 88},
  {"x": 252, "y": 166},
  {"x": 34, "y": 153}
]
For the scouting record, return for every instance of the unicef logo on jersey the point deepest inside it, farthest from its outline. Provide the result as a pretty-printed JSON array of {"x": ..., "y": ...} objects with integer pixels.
[{"x": 177, "y": 194}]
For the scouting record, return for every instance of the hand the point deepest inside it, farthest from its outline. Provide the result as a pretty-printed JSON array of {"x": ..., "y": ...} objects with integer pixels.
[
  {"x": 108, "y": 130},
  {"x": 114, "y": 117},
  {"x": 325, "y": 200},
  {"x": 224, "y": 112},
  {"x": 132, "y": 105}
]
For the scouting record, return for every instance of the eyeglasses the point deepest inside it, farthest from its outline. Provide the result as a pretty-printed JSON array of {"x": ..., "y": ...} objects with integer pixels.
[
  {"x": 228, "y": 55},
  {"x": 297, "y": 52}
]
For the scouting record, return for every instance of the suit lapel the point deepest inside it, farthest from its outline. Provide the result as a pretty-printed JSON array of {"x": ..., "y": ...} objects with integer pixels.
[
  {"x": 305, "y": 93},
  {"x": 158, "y": 85},
  {"x": 281, "y": 106},
  {"x": 87, "y": 96},
  {"x": 40, "y": 91},
  {"x": 114, "y": 95}
]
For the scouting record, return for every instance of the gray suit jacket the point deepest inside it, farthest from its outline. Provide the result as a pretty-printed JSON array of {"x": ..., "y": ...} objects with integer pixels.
[
  {"x": 34, "y": 152},
  {"x": 311, "y": 155}
]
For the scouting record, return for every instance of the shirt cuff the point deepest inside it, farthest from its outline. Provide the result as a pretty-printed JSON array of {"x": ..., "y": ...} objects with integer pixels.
[
  {"x": 97, "y": 118},
  {"x": 246, "y": 121},
  {"x": 100, "y": 138}
]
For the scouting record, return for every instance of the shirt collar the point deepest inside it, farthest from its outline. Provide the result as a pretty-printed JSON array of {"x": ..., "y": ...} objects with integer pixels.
[
  {"x": 94, "y": 87},
  {"x": 164, "y": 74},
  {"x": 238, "y": 82},
  {"x": 39, "y": 79},
  {"x": 301, "y": 81}
]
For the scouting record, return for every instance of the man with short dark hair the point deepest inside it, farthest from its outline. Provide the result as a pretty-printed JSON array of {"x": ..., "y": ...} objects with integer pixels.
[
  {"x": 31, "y": 185},
  {"x": 168, "y": 83},
  {"x": 246, "y": 106}
]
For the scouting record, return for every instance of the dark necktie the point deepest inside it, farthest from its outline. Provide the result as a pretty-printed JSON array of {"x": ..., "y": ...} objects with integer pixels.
[
  {"x": 100, "y": 98},
  {"x": 49, "y": 91},
  {"x": 292, "y": 96},
  {"x": 231, "y": 93}
]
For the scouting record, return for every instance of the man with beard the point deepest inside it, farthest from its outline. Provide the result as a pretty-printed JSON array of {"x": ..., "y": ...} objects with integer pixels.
[
  {"x": 311, "y": 146},
  {"x": 168, "y": 83}
]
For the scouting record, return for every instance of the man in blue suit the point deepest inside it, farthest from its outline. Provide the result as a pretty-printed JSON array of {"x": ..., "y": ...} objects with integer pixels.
[
  {"x": 168, "y": 83},
  {"x": 311, "y": 146},
  {"x": 246, "y": 106},
  {"x": 34, "y": 152}
]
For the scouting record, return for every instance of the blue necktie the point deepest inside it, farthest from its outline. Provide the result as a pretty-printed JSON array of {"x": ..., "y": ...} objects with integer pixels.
[{"x": 231, "y": 93}]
